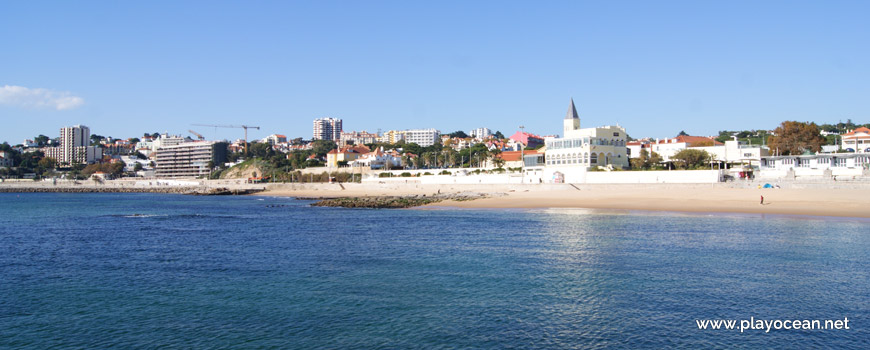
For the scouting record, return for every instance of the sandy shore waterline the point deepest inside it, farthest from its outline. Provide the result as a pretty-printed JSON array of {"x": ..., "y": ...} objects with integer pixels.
[{"x": 841, "y": 202}]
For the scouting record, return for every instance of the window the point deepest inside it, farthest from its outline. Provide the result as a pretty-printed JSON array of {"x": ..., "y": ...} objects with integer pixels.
[{"x": 594, "y": 159}]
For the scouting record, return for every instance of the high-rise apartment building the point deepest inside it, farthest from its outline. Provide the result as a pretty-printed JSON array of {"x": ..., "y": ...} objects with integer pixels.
[
  {"x": 74, "y": 147},
  {"x": 327, "y": 129}
]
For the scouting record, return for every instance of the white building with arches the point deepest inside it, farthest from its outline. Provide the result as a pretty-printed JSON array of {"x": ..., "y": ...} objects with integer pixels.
[{"x": 568, "y": 158}]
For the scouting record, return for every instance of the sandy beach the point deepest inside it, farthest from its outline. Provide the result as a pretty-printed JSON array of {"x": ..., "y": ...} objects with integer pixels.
[{"x": 841, "y": 202}]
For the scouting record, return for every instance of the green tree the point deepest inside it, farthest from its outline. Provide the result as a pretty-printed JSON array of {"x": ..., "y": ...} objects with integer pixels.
[
  {"x": 322, "y": 147},
  {"x": 499, "y": 135},
  {"x": 458, "y": 133},
  {"x": 41, "y": 140},
  {"x": 48, "y": 163},
  {"x": 261, "y": 150},
  {"x": 137, "y": 167},
  {"x": 692, "y": 158},
  {"x": 794, "y": 138},
  {"x": 645, "y": 160}
]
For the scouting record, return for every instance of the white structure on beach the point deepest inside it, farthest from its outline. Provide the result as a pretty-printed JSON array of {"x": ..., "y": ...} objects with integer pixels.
[
  {"x": 568, "y": 158},
  {"x": 824, "y": 165}
]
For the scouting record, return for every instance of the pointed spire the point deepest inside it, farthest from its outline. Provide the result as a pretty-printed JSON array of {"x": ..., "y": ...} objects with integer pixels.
[{"x": 572, "y": 111}]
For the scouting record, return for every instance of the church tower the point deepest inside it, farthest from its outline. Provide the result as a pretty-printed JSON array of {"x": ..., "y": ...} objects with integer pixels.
[{"x": 572, "y": 120}]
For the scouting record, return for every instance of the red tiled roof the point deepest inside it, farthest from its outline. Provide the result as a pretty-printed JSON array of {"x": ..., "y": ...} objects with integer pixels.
[{"x": 861, "y": 129}]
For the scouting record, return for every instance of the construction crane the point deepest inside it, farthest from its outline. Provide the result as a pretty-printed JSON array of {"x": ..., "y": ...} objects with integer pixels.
[
  {"x": 197, "y": 134},
  {"x": 246, "y": 127}
]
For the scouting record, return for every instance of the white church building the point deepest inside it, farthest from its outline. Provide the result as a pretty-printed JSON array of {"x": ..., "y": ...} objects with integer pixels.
[{"x": 568, "y": 158}]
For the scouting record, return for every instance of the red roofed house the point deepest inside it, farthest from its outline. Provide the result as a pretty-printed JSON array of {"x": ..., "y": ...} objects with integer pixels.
[
  {"x": 858, "y": 140},
  {"x": 512, "y": 159},
  {"x": 346, "y": 154},
  {"x": 530, "y": 140},
  {"x": 669, "y": 147}
]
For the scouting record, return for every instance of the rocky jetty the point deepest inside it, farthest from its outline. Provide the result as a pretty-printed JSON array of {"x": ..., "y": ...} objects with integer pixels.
[{"x": 394, "y": 202}]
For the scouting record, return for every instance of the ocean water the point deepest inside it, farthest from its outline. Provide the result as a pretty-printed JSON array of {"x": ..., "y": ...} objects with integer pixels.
[{"x": 95, "y": 271}]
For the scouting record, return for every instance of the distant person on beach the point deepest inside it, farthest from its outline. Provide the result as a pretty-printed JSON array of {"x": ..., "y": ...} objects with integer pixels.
[{"x": 762, "y": 200}]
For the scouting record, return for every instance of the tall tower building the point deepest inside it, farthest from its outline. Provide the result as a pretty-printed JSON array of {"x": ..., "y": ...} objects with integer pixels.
[
  {"x": 572, "y": 120},
  {"x": 75, "y": 136},
  {"x": 327, "y": 129},
  {"x": 74, "y": 146}
]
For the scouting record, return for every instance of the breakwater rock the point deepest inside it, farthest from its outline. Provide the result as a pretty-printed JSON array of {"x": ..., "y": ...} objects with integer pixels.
[
  {"x": 393, "y": 202},
  {"x": 375, "y": 202}
]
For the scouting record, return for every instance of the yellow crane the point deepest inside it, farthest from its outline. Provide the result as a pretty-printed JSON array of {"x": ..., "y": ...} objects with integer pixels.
[
  {"x": 246, "y": 127},
  {"x": 197, "y": 134}
]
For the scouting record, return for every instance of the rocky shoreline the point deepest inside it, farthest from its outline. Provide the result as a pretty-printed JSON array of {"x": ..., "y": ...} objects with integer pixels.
[
  {"x": 393, "y": 202},
  {"x": 197, "y": 191}
]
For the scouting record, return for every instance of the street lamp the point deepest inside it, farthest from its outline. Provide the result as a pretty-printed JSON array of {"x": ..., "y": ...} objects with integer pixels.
[{"x": 523, "y": 156}]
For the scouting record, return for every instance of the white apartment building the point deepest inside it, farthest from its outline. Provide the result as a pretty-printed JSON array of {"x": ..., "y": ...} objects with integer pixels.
[
  {"x": 327, "y": 129},
  {"x": 422, "y": 137},
  {"x": 189, "y": 159},
  {"x": 480, "y": 133}
]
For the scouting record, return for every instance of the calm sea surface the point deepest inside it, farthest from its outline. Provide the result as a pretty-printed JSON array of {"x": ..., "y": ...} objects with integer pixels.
[{"x": 170, "y": 271}]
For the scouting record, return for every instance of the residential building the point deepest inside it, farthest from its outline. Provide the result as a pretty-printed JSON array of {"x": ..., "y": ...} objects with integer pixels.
[
  {"x": 327, "y": 129},
  {"x": 422, "y": 137},
  {"x": 274, "y": 139},
  {"x": 527, "y": 139},
  {"x": 819, "y": 165},
  {"x": 669, "y": 147},
  {"x": 345, "y": 154},
  {"x": 5, "y": 160},
  {"x": 480, "y": 133},
  {"x": 857, "y": 140},
  {"x": 512, "y": 159},
  {"x": 379, "y": 159},
  {"x": 358, "y": 138},
  {"x": 189, "y": 159},
  {"x": 74, "y": 147},
  {"x": 393, "y": 136}
]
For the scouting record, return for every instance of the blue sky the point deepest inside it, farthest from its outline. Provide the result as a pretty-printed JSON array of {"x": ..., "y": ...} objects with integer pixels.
[{"x": 654, "y": 67}]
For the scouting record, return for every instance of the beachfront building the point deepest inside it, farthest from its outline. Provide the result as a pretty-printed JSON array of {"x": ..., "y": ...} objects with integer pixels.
[
  {"x": 345, "y": 154},
  {"x": 568, "y": 158},
  {"x": 857, "y": 140},
  {"x": 667, "y": 148},
  {"x": 327, "y": 129},
  {"x": 189, "y": 159},
  {"x": 379, "y": 159},
  {"x": 819, "y": 165},
  {"x": 74, "y": 147},
  {"x": 358, "y": 138}
]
